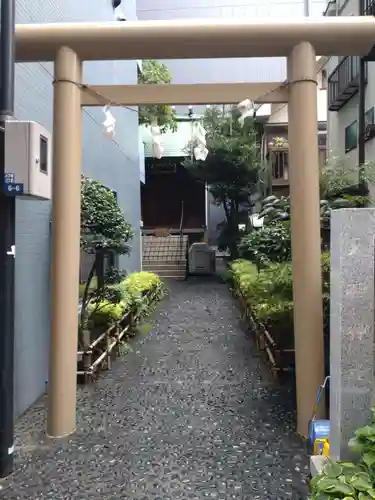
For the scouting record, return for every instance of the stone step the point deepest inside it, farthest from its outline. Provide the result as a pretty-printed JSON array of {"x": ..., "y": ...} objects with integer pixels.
[
  {"x": 178, "y": 274},
  {"x": 164, "y": 267},
  {"x": 163, "y": 258},
  {"x": 164, "y": 263}
]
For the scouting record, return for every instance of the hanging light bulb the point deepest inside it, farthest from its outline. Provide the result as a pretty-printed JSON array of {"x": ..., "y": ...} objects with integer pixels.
[
  {"x": 246, "y": 108},
  {"x": 109, "y": 123}
]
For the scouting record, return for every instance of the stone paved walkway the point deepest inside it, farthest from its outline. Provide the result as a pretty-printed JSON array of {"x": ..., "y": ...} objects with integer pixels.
[{"x": 190, "y": 413}]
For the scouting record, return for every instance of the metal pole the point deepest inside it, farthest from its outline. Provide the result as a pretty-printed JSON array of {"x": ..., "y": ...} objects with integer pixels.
[
  {"x": 361, "y": 113},
  {"x": 7, "y": 242}
]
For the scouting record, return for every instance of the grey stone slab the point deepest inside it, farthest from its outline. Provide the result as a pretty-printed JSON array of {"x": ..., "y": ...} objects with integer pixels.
[
  {"x": 317, "y": 463},
  {"x": 190, "y": 413},
  {"x": 351, "y": 324}
]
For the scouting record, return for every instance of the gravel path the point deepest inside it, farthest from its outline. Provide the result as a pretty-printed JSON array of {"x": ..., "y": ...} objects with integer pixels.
[{"x": 190, "y": 413}]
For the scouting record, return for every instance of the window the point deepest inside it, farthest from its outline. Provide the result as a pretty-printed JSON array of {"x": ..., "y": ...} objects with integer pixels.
[
  {"x": 280, "y": 165},
  {"x": 322, "y": 138},
  {"x": 324, "y": 80},
  {"x": 351, "y": 136},
  {"x": 369, "y": 117},
  {"x": 43, "y": 160}
]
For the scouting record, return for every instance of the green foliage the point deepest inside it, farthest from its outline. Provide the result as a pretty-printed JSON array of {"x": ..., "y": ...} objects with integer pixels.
[
  {"x": 268, "y": 291},
  {"x": 269, "y": 244},
  {"x": 339, "y": 176},
  {"x": 338, "y": 189},
  {"x": 156, "y": 72},
  {"x": 232, "y": 168},
  {"x": 103, "y": 225},
  {"x": 105, "y": 312},
  {"x": 326, "y": 271},
  {"x": 139, "y": 283},
  {"x": 114, "y": 275},
  {"x": 131, "y": 294},
  {"x": 348, "y": 480}
]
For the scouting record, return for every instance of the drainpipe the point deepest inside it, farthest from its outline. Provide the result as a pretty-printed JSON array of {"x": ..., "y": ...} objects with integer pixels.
[
  {"x": 306, "y": 8},
  {"x": 7, "y": 244},
  {"x": 361, "y": 114}
]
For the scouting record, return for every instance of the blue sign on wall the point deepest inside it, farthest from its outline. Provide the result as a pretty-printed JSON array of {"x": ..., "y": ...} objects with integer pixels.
[
  {"x": 9, "y": 178},
  {"x": 13, "y": 188}
]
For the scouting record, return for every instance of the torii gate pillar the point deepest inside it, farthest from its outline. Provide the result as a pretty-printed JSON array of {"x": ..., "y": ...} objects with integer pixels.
[
  {"x": 66, "y": 209},
  {"x": 305, "y": 221}
]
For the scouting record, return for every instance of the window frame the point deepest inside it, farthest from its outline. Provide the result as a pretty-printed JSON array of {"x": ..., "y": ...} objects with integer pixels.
[
  {"x": 370, "y": 116},
  {"x": 353, "y": 146},
  {"x": 323, "y": 79}
]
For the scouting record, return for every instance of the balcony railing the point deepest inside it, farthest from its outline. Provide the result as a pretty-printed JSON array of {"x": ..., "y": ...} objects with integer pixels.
[
  {"x": 343, "y": 83},
  {"x": 369, "y": 7}
]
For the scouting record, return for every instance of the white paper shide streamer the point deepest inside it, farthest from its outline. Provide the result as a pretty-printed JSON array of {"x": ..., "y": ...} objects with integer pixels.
[
  {"x": 157, "y": 148},
  {"x": 109, "y": 123},
  {"x": 199, "y": 138},
  {"x": 119, "y": 14},
  {"x": 246, "y": 108}
]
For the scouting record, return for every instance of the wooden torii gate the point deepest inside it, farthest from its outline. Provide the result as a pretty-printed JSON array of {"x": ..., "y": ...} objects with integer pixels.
[{"x": 300, "y": 40}]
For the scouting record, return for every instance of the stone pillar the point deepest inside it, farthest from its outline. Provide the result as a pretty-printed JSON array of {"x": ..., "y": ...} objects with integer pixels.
[
  {"x": 66, "y": 201},
  {"x": 305, "y": 222},
  {"x": 352, "y": 324}
]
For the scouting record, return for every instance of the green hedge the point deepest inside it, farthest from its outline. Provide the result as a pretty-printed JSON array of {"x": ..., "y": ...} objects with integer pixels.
[
  {"x": 136, "y": 293},
  {"x": 269, "y": 294},
  {"x": 272, "y": 243}
]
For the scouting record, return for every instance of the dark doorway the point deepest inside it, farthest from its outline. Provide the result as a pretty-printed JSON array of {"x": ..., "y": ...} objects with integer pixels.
[{"x": 171, "y": 195}]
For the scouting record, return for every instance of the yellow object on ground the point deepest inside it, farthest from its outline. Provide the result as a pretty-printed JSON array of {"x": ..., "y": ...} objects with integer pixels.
[{"x": 321, "y": 447}]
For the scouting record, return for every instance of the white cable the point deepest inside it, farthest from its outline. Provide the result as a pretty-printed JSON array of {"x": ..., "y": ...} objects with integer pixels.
[{"x": 109, "y": 123}]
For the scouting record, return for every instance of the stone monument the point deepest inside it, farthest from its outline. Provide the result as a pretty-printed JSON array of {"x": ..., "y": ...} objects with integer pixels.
[{"x": 351, "y": 324}]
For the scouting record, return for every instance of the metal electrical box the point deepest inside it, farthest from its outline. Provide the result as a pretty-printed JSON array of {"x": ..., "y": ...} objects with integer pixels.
[
  {"x": 201, "y": 259},
  {"x": 28, "y": 160}
]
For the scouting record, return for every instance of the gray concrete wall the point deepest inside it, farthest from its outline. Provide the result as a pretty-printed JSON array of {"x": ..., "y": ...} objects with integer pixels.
[{"x": 115, "y": 163}]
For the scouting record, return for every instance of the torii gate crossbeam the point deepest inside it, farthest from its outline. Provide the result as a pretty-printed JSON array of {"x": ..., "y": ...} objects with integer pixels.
[{"x": 68, "y": 45}]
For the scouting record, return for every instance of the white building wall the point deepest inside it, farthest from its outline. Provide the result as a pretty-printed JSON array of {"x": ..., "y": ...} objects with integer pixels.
[
  {"x": 337, "y": 121},
  {"x": 348, "y": 7},
  {"x": 279, "y": 112}
]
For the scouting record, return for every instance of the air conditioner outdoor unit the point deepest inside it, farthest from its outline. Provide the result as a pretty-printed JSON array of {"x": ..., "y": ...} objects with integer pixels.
[{"x": 28, "y": 160}]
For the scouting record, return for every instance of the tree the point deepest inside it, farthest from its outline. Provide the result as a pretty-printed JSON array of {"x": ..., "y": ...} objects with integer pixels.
[
  {"x": 232, "y": 169},
  {"x": 104, "y": 230},
  {"x": 156, "y": 72}
]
